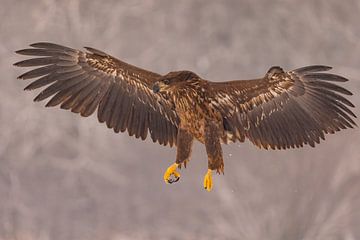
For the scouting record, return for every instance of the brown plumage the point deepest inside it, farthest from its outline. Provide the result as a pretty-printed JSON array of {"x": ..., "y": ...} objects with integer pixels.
[{"x": 281, "y": 110}]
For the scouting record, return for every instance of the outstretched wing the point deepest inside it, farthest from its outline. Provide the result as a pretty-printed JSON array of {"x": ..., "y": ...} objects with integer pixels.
[
  {"x": 284, "y": 109},
  {"x": 86, "y": 81}
]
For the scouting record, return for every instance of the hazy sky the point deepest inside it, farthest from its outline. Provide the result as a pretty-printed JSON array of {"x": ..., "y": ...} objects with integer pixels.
[{"x": 66, "y": 177}]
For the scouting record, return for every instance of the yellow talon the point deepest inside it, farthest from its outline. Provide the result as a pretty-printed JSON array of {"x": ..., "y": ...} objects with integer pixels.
[
  {"x": 171, "y": 171},
  {"x": 208, "y": 180}
]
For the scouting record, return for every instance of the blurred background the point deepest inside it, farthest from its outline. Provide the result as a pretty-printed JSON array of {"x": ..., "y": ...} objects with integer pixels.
[{"x": 64, "y": 177}]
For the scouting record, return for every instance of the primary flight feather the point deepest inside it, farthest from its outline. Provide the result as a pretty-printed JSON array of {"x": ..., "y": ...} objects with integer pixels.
[{"x": 278, "y": 111}]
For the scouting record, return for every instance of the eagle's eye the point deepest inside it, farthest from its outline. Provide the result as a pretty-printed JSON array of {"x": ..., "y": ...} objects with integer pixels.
[{"x": 166, "y": 81}]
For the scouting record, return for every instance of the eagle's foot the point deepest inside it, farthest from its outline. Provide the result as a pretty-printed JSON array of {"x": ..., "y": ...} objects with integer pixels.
[
  {"x": 171, "y": 175},
  {"x": 208, "y": 180}
]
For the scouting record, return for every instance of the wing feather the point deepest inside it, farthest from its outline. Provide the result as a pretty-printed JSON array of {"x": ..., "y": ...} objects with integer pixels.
[
  {"x": 41, "y": 82},
  {"x": 285, "y": 109},
  {"x": 85, "y": 81}
]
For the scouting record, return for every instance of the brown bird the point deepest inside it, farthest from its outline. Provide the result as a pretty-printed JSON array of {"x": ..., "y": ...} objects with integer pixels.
[{"x": 280, "y": 110}]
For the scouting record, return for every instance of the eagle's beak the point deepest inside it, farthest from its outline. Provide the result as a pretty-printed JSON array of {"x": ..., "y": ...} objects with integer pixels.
[{"x": 159, "y": 86}]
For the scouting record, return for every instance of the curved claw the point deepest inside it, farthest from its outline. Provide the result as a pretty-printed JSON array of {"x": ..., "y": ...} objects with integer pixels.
[
  {"x": 208, "y": 181},
  {"x": 171, "y": 175},
  {"x": 173, "y": 180}
]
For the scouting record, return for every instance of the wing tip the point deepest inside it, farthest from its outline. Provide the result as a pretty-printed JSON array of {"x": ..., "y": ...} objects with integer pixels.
[
  {"x": 312, "y": 68},
  {"x": 42, "y": 44},
  {"x": 37, "y": 44},
  {"x": 17, "y": 64},
  {"x": 19, "y": 51},
  {"x": 36, "y": 99},
  {"x": 52, "y": 46},
  {"x": 27, "y": 88}
]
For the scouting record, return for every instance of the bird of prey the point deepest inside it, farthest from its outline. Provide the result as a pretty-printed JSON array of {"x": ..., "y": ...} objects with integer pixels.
[{"x": 283, "y": 109}]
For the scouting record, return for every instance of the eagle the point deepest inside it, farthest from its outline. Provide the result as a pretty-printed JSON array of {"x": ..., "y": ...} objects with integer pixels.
[{"x": 281, "y": 110}]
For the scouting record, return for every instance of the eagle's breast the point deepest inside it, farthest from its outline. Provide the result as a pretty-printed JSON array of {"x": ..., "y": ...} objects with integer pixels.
[{"x": 194, "y": 109}]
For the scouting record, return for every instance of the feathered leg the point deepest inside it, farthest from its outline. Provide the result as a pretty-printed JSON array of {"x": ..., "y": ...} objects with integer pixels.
[
  {"x": 214, "y": 152},
  {"x": 184, "y": 144}
]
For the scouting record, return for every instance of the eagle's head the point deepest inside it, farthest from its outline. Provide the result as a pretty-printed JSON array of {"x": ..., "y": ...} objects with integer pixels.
[{"x": 167, "y": 82}]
